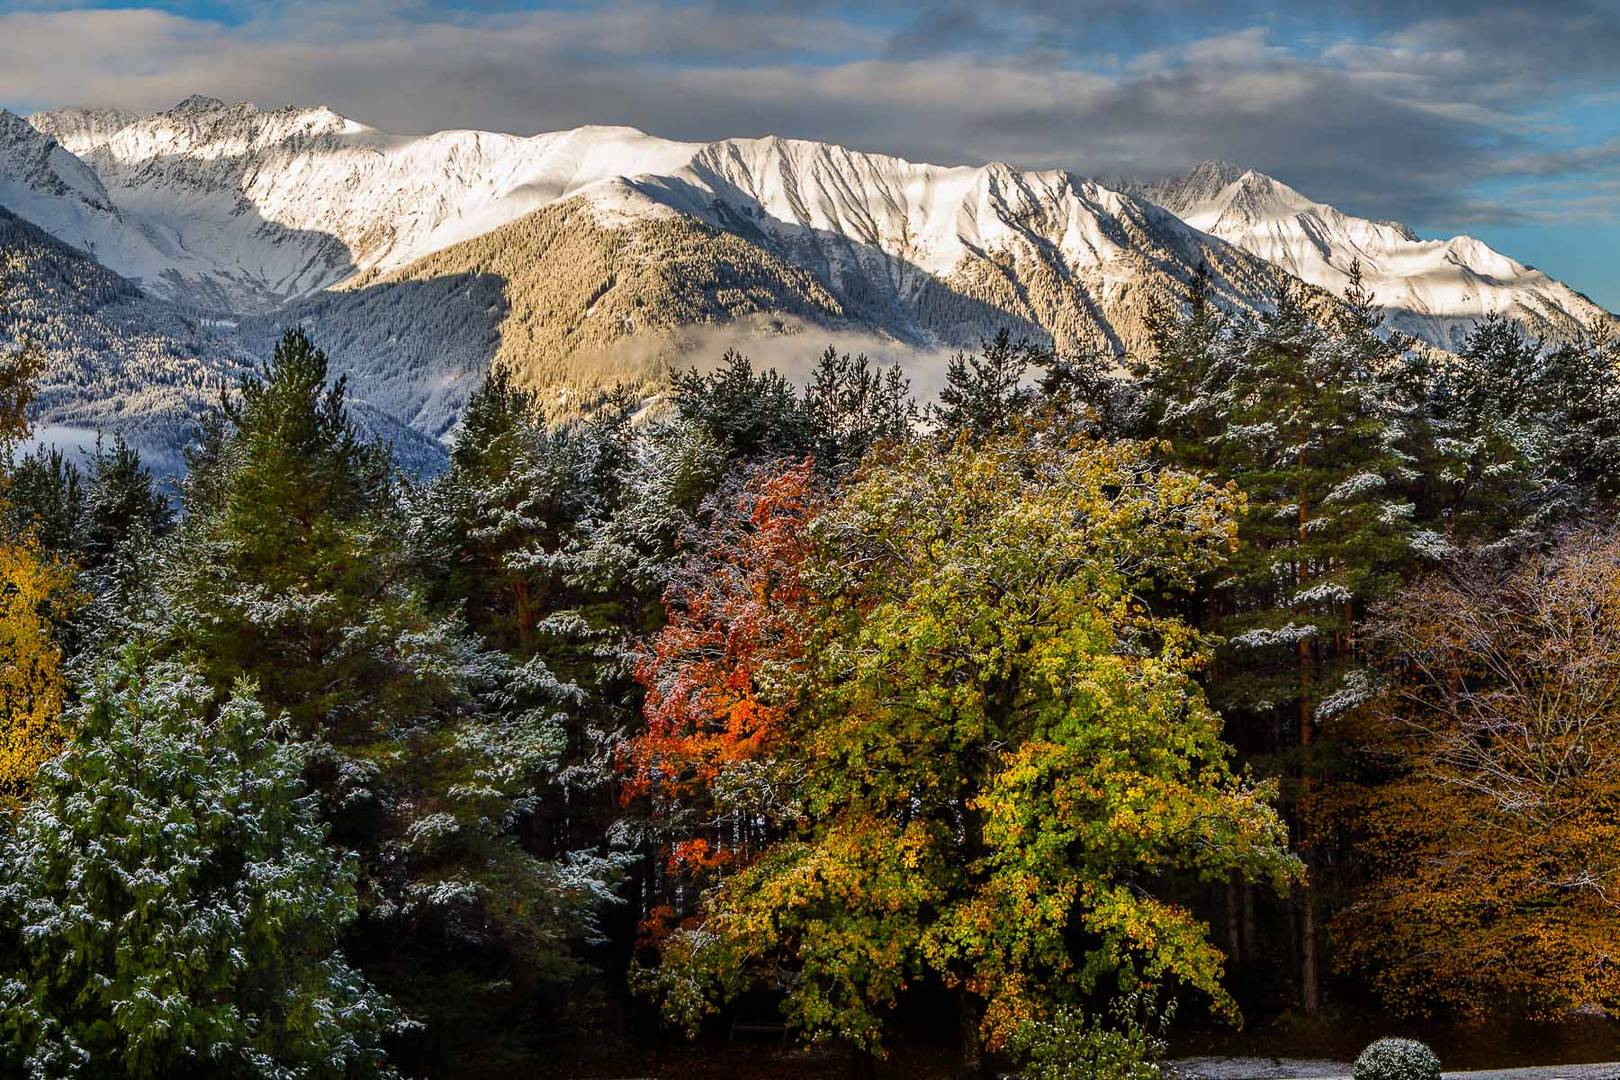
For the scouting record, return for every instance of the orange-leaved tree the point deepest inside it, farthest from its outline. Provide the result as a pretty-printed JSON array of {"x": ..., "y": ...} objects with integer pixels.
[
  {"x": 719, "y": 678},
  {"x": 1487, "y": 820}
]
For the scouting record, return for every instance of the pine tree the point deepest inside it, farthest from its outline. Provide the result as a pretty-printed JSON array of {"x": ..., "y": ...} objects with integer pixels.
[
  {"x": 123, "y": 504},
  {"x": 1492, "y": 481},
  {"x": 46, "y": 498},
  {"x": 1316, "y": 419},
  {"x": 290, "y": 569},
  {"x": 986, "y": 392},
  {"x": 852, "y": 406},
  {"x": 168, "y": 902},
  {"x": 752, "y": 416}
]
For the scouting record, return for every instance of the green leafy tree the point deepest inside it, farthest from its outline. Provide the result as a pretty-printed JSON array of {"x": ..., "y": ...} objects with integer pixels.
[
  {"x": 998, "y": 748},
  {"x": 168, "y": 901}
]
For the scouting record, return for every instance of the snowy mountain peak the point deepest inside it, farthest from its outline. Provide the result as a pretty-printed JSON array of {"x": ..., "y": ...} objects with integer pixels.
[
  {"x": 38, "y": 178},
  {"x": 200, "y": 103},
  {"x": 244, "y": 209},
  {"x": 1435, "y": 289},
  {"x": 81, "y": 129},
  {"x": 1200, "y": 184},
  {"x": 14, "y": 129}
]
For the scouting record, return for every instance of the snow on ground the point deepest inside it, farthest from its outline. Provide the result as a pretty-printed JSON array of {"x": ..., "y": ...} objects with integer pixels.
[{"x": 1259, "y": 1068}]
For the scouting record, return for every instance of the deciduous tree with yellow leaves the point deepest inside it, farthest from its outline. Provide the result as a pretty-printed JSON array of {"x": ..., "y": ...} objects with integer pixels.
[
  {"x": 36, "y": 593},
  {"x": 998, "y": 750},
  {"x": 1487, "y": 820}
]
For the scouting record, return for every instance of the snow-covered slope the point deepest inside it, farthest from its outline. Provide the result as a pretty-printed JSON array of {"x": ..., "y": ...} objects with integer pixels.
[
  {"x": 237, "y": 208},
  {"x": 118, "y": 360},
  {"x": 80, "y": 129},
  {"x": 911, "y": 247},
  {"x": 255, "y": 208},
  {"x": 43, "y": 183},
  {"x": 1436, "y": 289},
  {"x": 604, "y": 253},
  {"x": 766, "y": 239},
  {"x": 275, "y": 205}
]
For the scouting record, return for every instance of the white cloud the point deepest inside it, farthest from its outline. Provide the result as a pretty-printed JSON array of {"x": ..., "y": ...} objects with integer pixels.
[{"x": 1397, "y": 122}]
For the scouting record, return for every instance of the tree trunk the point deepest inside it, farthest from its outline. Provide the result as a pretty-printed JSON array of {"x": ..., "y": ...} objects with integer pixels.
[
  {"x": 1234, "y": 939},
  {"x": 972, "y": 1045},
  {"x": 1249, "y": 932},
  {"x": 1310, "y": 990}
]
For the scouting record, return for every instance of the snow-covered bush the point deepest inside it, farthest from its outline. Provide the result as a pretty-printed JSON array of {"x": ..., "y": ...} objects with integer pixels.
[
  {"x": 1397, "y": 1059},
  {"x": 1070, "y": 1045},
  {"x": 168, "y": 902}
]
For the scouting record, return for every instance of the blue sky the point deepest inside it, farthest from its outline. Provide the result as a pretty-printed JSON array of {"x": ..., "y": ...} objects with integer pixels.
[{"x": 1498, "y": 120}]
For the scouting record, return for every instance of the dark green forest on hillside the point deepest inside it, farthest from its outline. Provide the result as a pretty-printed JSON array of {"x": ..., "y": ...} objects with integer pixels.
[{"x": 1271, "y": 682}]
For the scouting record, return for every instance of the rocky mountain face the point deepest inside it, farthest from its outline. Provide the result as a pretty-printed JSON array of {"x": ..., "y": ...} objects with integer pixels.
[{"x": 604, "y": 254}]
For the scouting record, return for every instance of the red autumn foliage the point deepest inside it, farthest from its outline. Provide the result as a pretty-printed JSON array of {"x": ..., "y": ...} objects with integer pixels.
[{"x": 718, "y": 676}]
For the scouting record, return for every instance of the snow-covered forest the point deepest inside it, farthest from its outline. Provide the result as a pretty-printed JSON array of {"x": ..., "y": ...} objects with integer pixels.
[{"x": 1038, "y": 728}]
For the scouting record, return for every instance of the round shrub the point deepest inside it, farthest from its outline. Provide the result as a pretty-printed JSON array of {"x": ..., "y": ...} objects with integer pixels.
[{"x": 1397, "y": 1059}]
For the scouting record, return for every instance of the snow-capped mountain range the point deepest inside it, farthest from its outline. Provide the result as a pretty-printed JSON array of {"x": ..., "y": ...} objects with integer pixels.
[
  {"x": 568, "y": 251},
  {"x": 1435, "y": 289}
]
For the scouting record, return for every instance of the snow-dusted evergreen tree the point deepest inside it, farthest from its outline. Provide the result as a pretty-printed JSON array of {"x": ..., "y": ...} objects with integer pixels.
[
  {"x": 1010, "y": 383},
  {"x": 853, "y": 405},
  {"x": 506, "y": 527},
  {"x": 1492, "y": 482},
  {"x": 45, "y": 496},
  {"x": 168, "y": 901},
  {"x": 1528, "y": 434},
  {"x": 986, "y": 392},
  {"x": 1314, "y": 416},
  {"x": 511, "y": 536},
  {"x": 122, "y": 502},
  {"x": 291, "y": 568},
  {"x": 752, "y": 415}
]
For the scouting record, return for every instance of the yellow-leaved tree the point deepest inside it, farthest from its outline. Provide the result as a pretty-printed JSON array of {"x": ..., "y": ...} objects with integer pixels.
[{"x": 36, "y": 594}]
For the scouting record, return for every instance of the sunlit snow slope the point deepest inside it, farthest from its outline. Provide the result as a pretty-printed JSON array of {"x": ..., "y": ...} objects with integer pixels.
[
  {"x": 1436, "y": 289},
  {"x": 604, "y": 254}
]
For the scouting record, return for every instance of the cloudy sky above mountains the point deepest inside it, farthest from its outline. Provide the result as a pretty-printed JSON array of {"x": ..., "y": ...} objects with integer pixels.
[{"x": 1502, "y": 120}]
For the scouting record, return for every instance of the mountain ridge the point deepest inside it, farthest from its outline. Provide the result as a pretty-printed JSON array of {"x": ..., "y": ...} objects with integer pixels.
[
  {"x": 603, "y": 252},
  {"x": 1435, "y": 289},
  {"x": 265, "y": 207}
]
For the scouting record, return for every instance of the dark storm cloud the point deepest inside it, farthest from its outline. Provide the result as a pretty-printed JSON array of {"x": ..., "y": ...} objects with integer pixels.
[{"x": 1388, "y": 112}]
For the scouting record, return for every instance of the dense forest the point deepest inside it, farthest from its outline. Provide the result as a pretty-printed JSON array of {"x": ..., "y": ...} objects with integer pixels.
[{"x": 1276, "y": 675}]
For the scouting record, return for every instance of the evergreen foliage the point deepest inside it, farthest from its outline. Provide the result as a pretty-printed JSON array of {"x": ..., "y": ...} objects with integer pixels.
[
  {"x": 798, "y": 688},
  {"x": 291, "y": 569},
  {"x": 1397, "y": 1059},
  {"x": 170, "y": 902}
]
